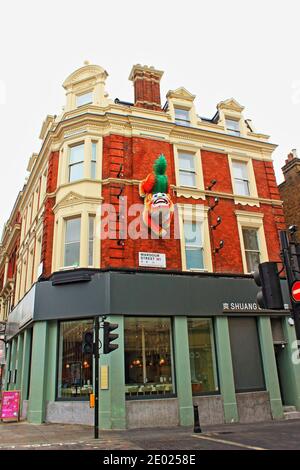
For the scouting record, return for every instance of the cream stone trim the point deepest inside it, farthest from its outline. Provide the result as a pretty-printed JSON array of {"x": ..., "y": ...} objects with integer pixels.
[
  {"x": 252, "y": 220},
  {"x": 188, "y": 191},
  {"x": 83, "y": 210},
  {"x": 83, "y": 80},
  {"x": 187, "y": 212},
  {"x": 252, "y": 199},
  {"x": 181, "y": 98}
]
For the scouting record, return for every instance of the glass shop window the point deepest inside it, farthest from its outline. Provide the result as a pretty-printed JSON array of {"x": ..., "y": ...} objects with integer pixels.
[
  {"x": 148, "y": 357},
  {"x": 202, "y": 356},
  {"x": 75, "y": 368}
]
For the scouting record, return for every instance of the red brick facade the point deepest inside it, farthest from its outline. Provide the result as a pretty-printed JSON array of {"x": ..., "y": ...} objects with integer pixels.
[
  {"x": 133, "y": 158},
  {"x": 48, "y": 229}
]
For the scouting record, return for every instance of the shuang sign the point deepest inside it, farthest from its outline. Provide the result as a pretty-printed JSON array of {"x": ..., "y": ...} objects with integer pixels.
[{"x": 240, "y": 306}]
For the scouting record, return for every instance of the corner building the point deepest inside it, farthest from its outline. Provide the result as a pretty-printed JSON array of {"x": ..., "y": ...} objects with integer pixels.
[{"x": 189, "y": 327}]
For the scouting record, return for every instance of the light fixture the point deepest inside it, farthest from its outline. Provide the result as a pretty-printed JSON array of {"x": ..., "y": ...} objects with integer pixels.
[
  {"x": 216, "y": 202},
  {"x": 219, "y": 220},
  {"x": 211, "y": 185},
  {"x": 293, "y": 229},
  {"x": 221, "y": 244}
]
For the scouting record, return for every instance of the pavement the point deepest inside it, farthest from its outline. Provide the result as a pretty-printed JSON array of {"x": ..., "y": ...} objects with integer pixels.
[{"x": 276, "y": 435}]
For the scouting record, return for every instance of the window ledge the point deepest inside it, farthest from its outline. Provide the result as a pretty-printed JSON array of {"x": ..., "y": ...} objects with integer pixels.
[
  {"x": 188, "y": 192},
  {"x": 246, "y": 200}
]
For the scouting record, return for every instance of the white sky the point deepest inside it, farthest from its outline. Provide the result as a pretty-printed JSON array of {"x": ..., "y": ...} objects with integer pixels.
[{"x": 216, "y": 49}]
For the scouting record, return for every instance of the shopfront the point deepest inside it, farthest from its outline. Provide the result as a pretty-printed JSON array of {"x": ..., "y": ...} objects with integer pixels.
[{"x": 183, "y": 339}]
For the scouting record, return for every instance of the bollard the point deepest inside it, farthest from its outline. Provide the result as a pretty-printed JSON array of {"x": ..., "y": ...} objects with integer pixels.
[{"x": 197, "y": 427}]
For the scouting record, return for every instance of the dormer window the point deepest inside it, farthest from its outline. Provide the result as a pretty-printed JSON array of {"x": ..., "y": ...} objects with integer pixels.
[
  {"x": 233, "y": 127},
  {"x": 182, "y": 117},
  {"x": 85, "y": 98}
]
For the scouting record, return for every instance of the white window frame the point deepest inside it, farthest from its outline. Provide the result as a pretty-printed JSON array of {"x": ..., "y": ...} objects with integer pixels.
[
  {"x": 91, "y": 216},
  {"x": 235, "y": 179},
  {"x": 66, "y": 220},
  {"x": 233, "y": 132},
  {"x": 80, "y": 95},
  {"x": 247, "y": 250},
  {"x": 190, "y": 172},
  {"x": 186, "y": 212},
  {"x": 252, "y": 220},
  {"x": 196, "y": 191},
  {"x": 81, "y": 162},
  {"x": 182, "y": 122},
  {"x": 252, "y": 199}
]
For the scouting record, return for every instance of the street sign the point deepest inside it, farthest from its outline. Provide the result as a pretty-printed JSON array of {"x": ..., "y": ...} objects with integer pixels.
[{"x": 296, "y": 291}]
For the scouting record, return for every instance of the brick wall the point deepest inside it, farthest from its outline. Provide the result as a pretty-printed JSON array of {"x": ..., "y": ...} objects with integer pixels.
[
  {"x": 289, "y": 193},
  {"x": 137, "y": 156},
  {"x": 48, "y": 222}
]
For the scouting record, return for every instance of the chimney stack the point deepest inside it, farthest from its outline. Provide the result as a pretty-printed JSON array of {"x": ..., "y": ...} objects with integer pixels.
[
  {"x": 146, "y": 82},
  {"x": 291, "y": 156}
]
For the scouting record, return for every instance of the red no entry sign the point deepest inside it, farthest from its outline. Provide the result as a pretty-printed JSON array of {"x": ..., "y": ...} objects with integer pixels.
[{"x": 296, "y": 291}]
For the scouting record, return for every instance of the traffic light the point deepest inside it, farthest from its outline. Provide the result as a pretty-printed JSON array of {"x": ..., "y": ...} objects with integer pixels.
[
  {"x": 270, "y": 295},
  {"x": 108, "y": 337},
  {"x": 87, "y": 346}
]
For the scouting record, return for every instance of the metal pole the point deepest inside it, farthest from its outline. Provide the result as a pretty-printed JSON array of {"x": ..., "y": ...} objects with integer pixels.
[
  {"x": 291, "y": 278},
  {"x": 96, "y": 355},
  {"x": 197, "y": 427}
]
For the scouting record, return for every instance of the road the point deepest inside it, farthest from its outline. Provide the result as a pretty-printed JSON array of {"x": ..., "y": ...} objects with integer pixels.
[{"x": 257, "y": 436}]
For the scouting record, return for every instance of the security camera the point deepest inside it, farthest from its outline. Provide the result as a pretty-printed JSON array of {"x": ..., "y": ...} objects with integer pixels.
[{"x": 291, "y": 321}]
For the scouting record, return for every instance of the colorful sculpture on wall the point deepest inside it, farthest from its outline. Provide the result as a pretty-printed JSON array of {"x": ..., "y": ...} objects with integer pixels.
[{"x": 158, "y": 205}]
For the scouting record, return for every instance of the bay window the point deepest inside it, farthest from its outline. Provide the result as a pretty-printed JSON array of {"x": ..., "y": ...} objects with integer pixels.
[
  {"x": 91, "y": 239},
  {"x": 72, "y": 242},
  {"x": 76, "y": 162}
]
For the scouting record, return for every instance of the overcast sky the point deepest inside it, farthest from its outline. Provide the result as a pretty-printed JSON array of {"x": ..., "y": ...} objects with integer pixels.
[{"x": 216, "y": 49}]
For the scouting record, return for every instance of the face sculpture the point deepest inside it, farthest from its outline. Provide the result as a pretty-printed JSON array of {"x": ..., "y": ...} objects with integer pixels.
[{"x": 158, "y": 205}]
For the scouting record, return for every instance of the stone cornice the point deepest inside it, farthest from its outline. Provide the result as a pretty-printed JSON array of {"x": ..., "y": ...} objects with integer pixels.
[{"x": 137, "y": 121}]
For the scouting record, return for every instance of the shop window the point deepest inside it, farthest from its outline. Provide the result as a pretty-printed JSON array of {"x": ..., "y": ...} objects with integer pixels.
[
  {"x": 202, "y": 356},
  {"x": 187, "y": 171},
  {"x": 75, "y": 368},
  {"x": 72, "y": 242},
  {"x": 76, "y": 162},
  {"x": 251, "y": 246},
  {"x": 246, "y": 355},
  {"x": 193, "y": 245},
  {"x": 148, "y": 357}
]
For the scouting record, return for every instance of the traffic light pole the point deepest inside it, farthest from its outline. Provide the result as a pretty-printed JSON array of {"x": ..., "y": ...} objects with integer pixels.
[
  {"x": 96, "y": 355},
  {"x": 291, "y": 278}
]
